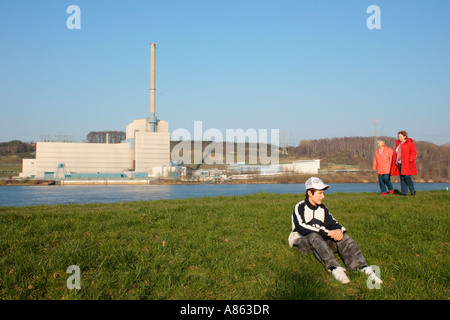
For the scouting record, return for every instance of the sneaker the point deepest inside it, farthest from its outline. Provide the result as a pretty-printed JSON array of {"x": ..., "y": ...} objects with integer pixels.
[
  {"x": 384, "y": 193},
  {"x": 371, "y": 275},
  {"x": 339, "y": 274},
  {"x": 391, "y": 192}
]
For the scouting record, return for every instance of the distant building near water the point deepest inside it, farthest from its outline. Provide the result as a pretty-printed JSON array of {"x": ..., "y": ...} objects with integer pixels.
[
  {"x": 303, "y": 166},
  {"x": 145, "y": 152},
  {"x": 142, "y": 151},
  {"x": 297, "y": 167}
]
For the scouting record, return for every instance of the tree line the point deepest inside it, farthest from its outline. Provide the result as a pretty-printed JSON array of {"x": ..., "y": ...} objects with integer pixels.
[
  {"x": 103, "y": 136},
  {"x": 16, "y": 146}
]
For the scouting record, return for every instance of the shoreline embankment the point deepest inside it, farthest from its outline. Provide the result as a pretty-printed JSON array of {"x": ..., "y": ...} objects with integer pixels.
[{"x": 286, "y": 179}]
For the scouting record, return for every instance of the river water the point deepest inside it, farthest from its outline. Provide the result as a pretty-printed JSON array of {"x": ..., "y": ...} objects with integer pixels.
[{"x": 51, "y": 195}]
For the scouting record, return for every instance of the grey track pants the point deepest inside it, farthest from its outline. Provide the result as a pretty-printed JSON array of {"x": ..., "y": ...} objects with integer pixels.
[{"x": 324, "y": 250}]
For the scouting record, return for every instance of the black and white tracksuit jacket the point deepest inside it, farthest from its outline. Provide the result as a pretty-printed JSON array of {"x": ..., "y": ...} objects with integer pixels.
[{"x": 307, "y": 218}]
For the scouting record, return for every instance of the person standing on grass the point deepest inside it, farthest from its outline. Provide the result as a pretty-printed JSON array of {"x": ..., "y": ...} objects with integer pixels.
[
  {"x": 404, "y": 163},
  {"x": 382, "y": 164},
  {"x": 314, "y": 230}
]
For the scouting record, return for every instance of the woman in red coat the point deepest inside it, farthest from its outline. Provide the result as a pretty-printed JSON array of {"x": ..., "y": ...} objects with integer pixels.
[
  {"x": 382, "y": 165},
  {"x": 404, "y": 162}
]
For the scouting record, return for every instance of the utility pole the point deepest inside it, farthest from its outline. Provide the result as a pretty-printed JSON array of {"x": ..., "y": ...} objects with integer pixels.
[
  {"x": 284, "y": 150},
  {"x": 375, "y": 133}
]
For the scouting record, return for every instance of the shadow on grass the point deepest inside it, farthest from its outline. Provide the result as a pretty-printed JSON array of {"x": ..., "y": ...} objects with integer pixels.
[
  {"x": 304, "y": 286},
  {"x": 306, "y": 280}
]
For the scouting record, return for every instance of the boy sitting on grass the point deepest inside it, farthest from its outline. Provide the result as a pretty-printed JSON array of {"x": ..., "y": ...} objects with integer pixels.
[{"x": 314, "y": 230}]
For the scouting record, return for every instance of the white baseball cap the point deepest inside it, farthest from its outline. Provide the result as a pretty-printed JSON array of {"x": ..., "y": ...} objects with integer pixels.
[{"x": 315, "y": 183}]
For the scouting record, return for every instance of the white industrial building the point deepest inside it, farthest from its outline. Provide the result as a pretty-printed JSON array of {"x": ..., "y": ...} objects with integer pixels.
[
  {"x": 296, "y": 167},
  {"x": 302, "y": 166},
  {"x": 146, "y": 150},
  {"x": 142, "y": 151}
]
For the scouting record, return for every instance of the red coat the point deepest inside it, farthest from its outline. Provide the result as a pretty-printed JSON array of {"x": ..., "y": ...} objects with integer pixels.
[
  {"x": 408, "y": 158},
  {"x": 382, "y": 163}
]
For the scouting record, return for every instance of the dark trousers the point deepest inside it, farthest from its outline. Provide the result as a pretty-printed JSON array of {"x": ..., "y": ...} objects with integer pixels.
[
  {"x": 324, "y": 250},
  {"x": 384, "y": 180},
  {"x": 406, "y": 182}
]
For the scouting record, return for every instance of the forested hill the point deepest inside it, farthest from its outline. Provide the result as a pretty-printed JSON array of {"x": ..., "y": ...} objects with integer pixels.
[
  {"x": 432, "y": 160},
  {"x": 16, "y": 147}
]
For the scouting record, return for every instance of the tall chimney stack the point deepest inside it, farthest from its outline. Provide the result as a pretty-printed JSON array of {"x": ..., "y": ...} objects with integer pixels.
[{"x": 152, "y": 119}]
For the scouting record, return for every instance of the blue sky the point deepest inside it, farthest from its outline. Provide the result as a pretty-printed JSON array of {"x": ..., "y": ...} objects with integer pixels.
[{"x": 311, "y": 69}]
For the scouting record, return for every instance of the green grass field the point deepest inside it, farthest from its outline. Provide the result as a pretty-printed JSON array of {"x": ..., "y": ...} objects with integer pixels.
[{"x": 221, "y": 248}]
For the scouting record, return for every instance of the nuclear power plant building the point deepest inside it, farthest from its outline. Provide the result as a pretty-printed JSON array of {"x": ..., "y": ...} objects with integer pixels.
[{"x": 145, "y": 152}]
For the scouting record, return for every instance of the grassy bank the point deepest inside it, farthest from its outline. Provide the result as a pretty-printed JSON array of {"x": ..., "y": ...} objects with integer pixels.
[{"x": 220, "y": 248}]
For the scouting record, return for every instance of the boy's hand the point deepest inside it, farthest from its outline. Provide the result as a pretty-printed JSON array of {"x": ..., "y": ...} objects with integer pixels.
[{"x": 336, "y": 235}]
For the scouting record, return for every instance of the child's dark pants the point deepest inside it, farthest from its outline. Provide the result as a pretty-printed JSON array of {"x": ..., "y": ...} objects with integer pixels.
[{"x": 324, "y": 250}]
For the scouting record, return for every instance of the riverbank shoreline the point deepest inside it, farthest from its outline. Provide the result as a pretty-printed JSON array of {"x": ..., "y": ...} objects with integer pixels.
[
  {"x": 24, "y": 195},
  {"x": 51, "y": 183},
  {"x": 329, "y": 178}
]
